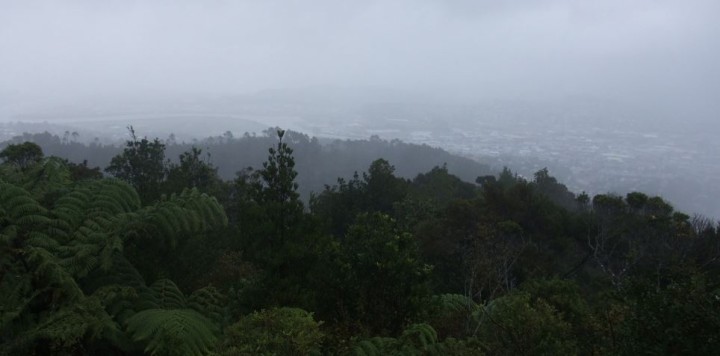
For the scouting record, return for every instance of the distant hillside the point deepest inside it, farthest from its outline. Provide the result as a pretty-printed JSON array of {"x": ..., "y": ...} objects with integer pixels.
[{"x": 318, "y": 161}]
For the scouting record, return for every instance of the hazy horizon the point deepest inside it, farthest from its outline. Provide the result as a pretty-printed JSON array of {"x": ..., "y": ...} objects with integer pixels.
[
  {"x": 654, "y": 54},
  {"x": 612, "y": 93}
]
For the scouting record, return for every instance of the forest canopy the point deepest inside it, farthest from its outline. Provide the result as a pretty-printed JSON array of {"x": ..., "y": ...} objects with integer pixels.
[{"x": 160, "y": 252}]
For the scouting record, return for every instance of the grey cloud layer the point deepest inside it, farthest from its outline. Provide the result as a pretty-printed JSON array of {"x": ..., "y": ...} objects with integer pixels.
[{"x": 646, "y": 50}]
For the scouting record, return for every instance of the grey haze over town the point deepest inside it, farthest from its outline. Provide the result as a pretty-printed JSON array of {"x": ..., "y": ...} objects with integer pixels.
[{"x": 611, "y": 96}]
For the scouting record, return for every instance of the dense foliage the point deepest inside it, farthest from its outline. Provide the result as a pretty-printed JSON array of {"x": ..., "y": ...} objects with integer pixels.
[{"x": 167, "y": 258}]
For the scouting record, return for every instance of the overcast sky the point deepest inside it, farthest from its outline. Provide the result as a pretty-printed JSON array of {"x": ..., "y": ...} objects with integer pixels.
[{"x": 665, "y": 52}]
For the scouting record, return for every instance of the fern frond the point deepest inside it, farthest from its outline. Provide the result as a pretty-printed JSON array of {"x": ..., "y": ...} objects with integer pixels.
[
  {"x": 417, "y": 339},
  {"x": 420, "y": 335},
  {"x": 173, "y": 332},
  {"x": 70, "y": 209},
  {"x": 181, "y": 215},
  {"x": 16, "y": 294},
  {"x": 376, "y": 346},
  {"x": 118, "y": 301},
  {"x": 210, "y": 302},
  {"x": 39, "y": 239},
  {"x": 48, "y": 273},
  {"x": 168, "y": 295},
  {"x": 20, "y": 208},
  {"x": 121, "y": 192},
  {"x": 453, "y": 303},
  {"x": 71, "y": 325},
  {"x": 51, "y": 175},
  {"x": 210, "y": 211},
  {"x": 83, "y": 260},
  {"x": 121, "y": 289},
  {"x": 122, "y": 274}
]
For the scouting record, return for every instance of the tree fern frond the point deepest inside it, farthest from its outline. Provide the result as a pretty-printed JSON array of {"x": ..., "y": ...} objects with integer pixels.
[
  {"x": 32, "y": 220},
  {"x": 15, "y": 296},
  {"x": 19, "y": 207},
  {"x": 420, "y": 335},
  {"x": 120, "y": 289},
  {"x": 39, "y": 239},
  {"x": 50, "y": 175},
  {"x": 417, "y": 339},
  {"x": 124, "y": 193},
  {"x": 65, "y": 328},
  {"x": 168, "y": 295},
  {"x": 174, "y": 332},
  {"x": 175, "y": 217},
  {"x": 81, "y": 262},
  {"x": 123, "y": 274},
  {"x": 7, "y": 234},
  {"x": 112, "y": 245},
  {"x": 60, "y": 229},
  {"x": 49, "y": 273},
  {"x": 119, "y": 301},
  {"x": 376, "y": 346},
  {"x": 70, "y": 208},
  {"x": 453, "y": 303},
  {"x": 207, "y": 207},
  {"x": 210, "y": 302}
]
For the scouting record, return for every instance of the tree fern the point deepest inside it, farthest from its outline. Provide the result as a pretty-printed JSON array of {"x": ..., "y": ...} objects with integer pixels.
[
  {"x": 276, "y": 331},
  {"x": 47, "y": 254},
  {"x": 422, "y": 336},
  {"x": 416, "y": 339},
  {"x": 207, "y": 207},
  {"x": 209, "y": 302},
  {"x": 48, "y": 177},
  {"x": 66, "y": 328},
  {"x": 122, "y": 274},
  {"x": 167, "y": 295},
  {"x": 179, "y": 215},
  {"x": 16, "y": 294},
  {"x": 48, "y": 274},
  {"x": 85, "y": 247},
  {"x": 71, "y": 209},
  {"x": 108, "y": 219},
  {"x": 453, "y": 303},
  {"x": 114, "y": 197},
  {"x": 19, "y": 208},
  {"x": 38, "y": 283},
  {"x": 377, "y": 346},
  {"x": 117, "y": 300},
  {"x": 174, "y": 332},
  {"x": 121, "y": 290}
]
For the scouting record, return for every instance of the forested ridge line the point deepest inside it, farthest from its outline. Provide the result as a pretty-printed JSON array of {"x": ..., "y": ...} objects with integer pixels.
[
  {"x": 319, "y": 161},
  {"x": 169, "y": 257}
]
